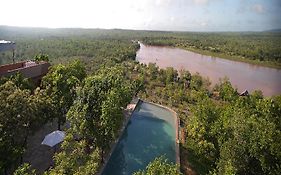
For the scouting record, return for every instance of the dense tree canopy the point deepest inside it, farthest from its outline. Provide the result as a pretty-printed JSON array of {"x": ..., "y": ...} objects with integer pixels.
[
  {"x": 41, "y": 57},
  {"x": 24, "y": 169},
  {"x": 96, "y": 114},
  {"x": 21, "y": 114},
  {"x": 72, "y": 159},
  {"x": 160, "y": 166},
  {"x": 19, "y": 81},
  {"x": 60, "y": 84}
]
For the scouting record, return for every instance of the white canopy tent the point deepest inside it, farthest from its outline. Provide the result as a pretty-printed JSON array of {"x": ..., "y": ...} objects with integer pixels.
[{"x": 54, "y": 138}]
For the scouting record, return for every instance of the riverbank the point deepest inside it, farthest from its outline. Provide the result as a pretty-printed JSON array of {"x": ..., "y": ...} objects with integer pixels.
[
  {"x": 241, "y": 75},
  {"x": 269, "y": 64}
]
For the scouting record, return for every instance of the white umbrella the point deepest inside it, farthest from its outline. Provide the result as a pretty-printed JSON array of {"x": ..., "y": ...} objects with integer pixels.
[{"x": 53, "y": 138}]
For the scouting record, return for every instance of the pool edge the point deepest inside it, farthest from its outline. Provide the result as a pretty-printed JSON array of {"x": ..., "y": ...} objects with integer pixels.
[{"x": 120, "y": 135}]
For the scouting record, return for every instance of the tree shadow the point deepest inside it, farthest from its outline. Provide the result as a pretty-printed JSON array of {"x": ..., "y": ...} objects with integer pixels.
[{"x": 192, "y": 163}]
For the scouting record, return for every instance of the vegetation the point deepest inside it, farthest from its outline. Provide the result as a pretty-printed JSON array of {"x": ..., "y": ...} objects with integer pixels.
[
  {"x": 96, "y": 114},
  {"x": 160, "y": 166},
  {"x": 227, "y": 133},
  {"x": 21, "y": 114},
  {"x": 260, "y": 48},
  {"x": 72, "y": 159},
  {"x": 60, "y": 84},
  {"x": 224, "y": 133},
  {"x": 61, "y": 45},
  {"x": 25, "y": 169},
  {"x": 19, "y": 81},
  {"x": 41, "y": 57},
  {"x": 64, "y": 45}
]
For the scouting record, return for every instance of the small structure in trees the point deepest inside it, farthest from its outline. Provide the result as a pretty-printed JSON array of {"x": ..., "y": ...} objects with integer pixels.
[
  {"x": 29, "y": 69},
  {"x": 34, "y": 70},
  {"x": 244, "y": 93},
  {"x": 6, "y": 46}
]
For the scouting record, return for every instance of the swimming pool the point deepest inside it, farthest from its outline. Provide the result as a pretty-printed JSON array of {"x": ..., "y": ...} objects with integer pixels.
[{"x": 151, "y": 132}]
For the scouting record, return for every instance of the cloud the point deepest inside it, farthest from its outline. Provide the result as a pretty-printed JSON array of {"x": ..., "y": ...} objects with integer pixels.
[
  {"x": 162, "y": 3},
  {"x": 203, "y": 24},
  {"x": 258, "y": 8},
  {"x": 241, "y": 10},
  {"x": 200, "y": 2},
  {"x": 250, "y": 21}
]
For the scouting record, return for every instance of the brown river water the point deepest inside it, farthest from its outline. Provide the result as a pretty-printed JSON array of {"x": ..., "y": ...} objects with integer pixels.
[{"x": 242, "y": 75}]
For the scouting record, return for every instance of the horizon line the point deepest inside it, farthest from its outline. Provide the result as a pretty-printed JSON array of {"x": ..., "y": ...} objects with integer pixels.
[{"x": 148, "y": 30}]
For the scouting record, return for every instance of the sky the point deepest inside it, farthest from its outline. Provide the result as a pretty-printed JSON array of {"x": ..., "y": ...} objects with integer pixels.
[{"x": 176, "y": 15}]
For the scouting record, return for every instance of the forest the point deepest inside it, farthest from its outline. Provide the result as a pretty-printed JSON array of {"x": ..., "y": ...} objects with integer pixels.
[
  {"x": 261, "y": 48},
  {"x": 94, "y": 76}
]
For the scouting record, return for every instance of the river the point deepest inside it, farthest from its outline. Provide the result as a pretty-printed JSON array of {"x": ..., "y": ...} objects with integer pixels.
[{"x": 241, "y": 75}]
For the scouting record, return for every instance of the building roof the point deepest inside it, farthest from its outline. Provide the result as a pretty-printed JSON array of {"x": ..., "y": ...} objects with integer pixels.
[
  {"x": 28, "y": 69},
  {"x": 4, "y": 41},
  {"x": 7, "y": 45}
]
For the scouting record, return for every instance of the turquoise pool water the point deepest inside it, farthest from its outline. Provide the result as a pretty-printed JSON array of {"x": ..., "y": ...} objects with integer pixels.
[{"x": 151, "y": 132}]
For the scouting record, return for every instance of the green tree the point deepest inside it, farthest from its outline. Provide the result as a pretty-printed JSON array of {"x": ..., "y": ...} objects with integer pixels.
[
  {"x": 160, "y": 166},
  {"x": 19, "y": 80},
  {"x": 226, "y": 91},
  {"x": 73, "y": 159},
  {"x": 24, "y": 169},
  {"x": 41, "y": 57},
  {"x": 96, "y": 114},
  {"x": 152, "y": 70},
  {"x": 185, "y": 77},
  {"x": 21, "y": 114},
  {"x": 196, "y": 82},
  {"x": 60, "y": 84},
  {"x": 171, "y": 75},
  {"x": 202, "y": 129}
]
